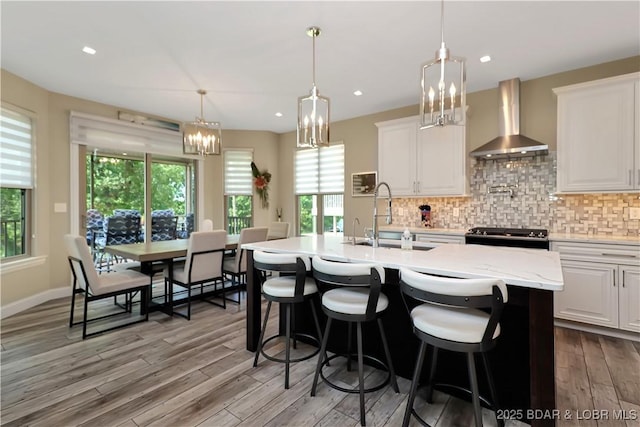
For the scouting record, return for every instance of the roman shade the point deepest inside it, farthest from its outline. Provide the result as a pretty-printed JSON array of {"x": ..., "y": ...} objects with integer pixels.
[
  {"x": 238, "y": 179},
  {"x": 16, "y": 170},
  {"x": 320, "y": 170}
]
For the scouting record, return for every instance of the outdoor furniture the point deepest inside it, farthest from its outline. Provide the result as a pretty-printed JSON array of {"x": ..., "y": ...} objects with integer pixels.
[
  {"x": 96, "y": 287},
  {"x": 118, "y": 230},
  {"x": 163, "y": 227}
]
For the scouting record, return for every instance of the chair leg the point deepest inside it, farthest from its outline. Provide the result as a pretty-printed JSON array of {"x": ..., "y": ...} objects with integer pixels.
[
  {"x": 492, "y": 388},
  {"x": 317, "y": 323},
  {"x": 73, "y": 302},
  {"x": 189, "y": 303},
  {"x": 360, "y": 372},
  {"x": 432, "y": 374},
  {"x": 475, "y": 396},
  {"x": 323, "y": 351},
  {"x": 84, "y": 316},
  {"x": 287, "y": 346},
  {"x": 414, "y": 383},
  {"x": 349, "y": 340},
  {"x": 385, "y": 344},
  {"x": 264, "y": 327}
]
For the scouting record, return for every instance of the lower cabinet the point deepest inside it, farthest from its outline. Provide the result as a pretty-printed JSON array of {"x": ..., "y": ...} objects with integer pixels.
[
  {"x": 439, "y": 239},
  {"x": 601, "y": 285}
]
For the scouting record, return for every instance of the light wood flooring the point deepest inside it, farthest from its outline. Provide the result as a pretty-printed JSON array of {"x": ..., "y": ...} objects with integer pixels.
[{"x": 174, "y": 372}]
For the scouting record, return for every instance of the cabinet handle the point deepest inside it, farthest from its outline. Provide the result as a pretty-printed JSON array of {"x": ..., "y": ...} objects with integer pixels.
[
  {"x": 614, "y": 278},
  {"x": 638, "y": 176},
  {"x": 620, "y": 255},
  {"x": 414, "y": 186},
  {"x": 418, "y": 187}
]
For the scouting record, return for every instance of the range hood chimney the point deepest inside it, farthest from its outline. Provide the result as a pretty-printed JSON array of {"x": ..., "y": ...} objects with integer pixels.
[{"x": 510, "y": 143}]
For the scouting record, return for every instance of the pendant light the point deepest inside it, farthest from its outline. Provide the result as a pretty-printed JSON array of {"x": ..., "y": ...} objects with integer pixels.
[
  {"x": 201, "y": 137},
  {"x": 313, "y": 110},
  {"x": 442, "y": 101}
]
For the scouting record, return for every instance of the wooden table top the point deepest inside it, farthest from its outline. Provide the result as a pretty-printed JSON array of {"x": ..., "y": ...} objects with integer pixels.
[{"x": 162, "y": 250}]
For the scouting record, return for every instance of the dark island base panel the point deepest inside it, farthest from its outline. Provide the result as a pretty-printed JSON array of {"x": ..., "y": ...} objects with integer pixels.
[{"x": 513, "y": 368}]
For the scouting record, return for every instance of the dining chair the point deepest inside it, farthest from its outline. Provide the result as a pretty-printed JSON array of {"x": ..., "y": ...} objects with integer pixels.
[
  {"x": 278, "y": 230},
  {"x": 96, "y": 287},
  {"x": 236, "y": 266},
  {"x": 203, "y": 265}
]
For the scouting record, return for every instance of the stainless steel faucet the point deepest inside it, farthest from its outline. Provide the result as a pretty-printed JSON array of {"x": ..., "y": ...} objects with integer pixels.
[
  {"x": 388, "y": 214},
  {"x": 356, "y": 219}
]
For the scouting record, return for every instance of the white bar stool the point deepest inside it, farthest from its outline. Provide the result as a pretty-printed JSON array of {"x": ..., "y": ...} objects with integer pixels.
[
  {"x": 358, "y": 298},
  {"x": 447, "y": 315},
  {"x": 287, "y": 290}
]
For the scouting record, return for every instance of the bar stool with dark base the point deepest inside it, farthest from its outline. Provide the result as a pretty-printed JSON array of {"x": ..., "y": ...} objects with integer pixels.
[
  {"x": 356, "y": 298},
  {"x": 447, "y": 315},
  {"x": 287, "y": 290}
]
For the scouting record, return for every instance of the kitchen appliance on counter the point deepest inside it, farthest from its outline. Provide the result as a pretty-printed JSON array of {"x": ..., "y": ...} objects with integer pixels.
[{"x": 534, "y": 238}]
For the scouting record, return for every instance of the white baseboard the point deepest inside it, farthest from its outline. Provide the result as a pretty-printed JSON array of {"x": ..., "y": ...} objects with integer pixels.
[
  {"x": 601, "y": 330},
  {"x": 26, "y": 303}
]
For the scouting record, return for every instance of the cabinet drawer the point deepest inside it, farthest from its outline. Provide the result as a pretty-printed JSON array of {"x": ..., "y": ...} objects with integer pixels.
[
  {"x": 439, "y": 239},
  {"x": 598, "y": 252}
]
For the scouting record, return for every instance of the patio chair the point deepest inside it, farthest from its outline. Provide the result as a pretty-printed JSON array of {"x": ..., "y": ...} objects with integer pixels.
[
  {"x": 118, "y": 230},
  {"x": 96, "y": 287},
  {"x": 163, "y": 227}
]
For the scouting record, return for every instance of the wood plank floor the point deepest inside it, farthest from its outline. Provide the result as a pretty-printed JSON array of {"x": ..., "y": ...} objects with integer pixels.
[{"x": 173, "y": 372}]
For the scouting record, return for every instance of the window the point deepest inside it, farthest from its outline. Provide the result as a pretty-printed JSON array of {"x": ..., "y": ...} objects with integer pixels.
[
  {"x": 16, "y": 183},
  {"x": 238, "y": 190},
  {"x": 319, "y": 188}
]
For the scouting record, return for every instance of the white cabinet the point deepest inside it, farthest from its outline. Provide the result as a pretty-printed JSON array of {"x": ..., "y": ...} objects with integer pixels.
[
  {"x": 429, "y": 162},
  {"x": 598, "y": 142},
  {"x": 601, "y": 285}
]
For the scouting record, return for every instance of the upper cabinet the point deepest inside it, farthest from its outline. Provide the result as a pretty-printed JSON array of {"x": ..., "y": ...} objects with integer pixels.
[
  {"x": 598, "y": 143},
  {"x": 414, "y": 162}
]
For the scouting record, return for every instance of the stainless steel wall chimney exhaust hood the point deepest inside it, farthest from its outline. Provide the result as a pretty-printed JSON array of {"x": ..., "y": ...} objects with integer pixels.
[{"x": 510, "y": 143}]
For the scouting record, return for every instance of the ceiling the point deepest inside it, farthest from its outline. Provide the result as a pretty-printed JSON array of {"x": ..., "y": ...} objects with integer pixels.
[{"x": 254, "y": 58}]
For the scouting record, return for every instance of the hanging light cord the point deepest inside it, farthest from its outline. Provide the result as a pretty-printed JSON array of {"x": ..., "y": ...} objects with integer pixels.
[
  {"x": 314, "y": 57},
  {"x": 442, "y": 23}
]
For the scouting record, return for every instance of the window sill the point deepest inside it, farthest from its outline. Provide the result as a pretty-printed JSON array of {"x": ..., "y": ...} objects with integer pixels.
[{"x": 22, "y": 264}]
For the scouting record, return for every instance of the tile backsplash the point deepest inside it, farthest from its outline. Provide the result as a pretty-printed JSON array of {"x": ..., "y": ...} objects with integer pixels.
[{"x": 521, "y": 193}]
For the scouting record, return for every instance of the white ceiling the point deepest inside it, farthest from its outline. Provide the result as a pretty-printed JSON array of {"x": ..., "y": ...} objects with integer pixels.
[{"x": 254, "y": 58}]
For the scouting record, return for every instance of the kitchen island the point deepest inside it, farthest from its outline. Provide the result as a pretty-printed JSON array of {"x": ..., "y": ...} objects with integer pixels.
[{"x": 523, "y": 360}]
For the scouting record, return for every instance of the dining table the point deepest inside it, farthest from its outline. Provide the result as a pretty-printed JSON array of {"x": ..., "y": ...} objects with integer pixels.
[{"x": 164, "y": 253}]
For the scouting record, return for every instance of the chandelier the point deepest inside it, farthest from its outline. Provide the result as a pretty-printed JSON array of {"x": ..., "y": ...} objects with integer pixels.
[
  {"x": 201, "y": 137},
  {"x": 313, "y": 110},
  {"x": 442, "y": 101}
]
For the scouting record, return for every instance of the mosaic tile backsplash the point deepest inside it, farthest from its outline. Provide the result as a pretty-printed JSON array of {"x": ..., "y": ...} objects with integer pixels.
[{"x": 521, "y": 193}]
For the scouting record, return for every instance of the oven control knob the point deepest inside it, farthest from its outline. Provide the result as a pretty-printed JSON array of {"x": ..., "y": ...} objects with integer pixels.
[
  {"x": 532, "y": 234},
  {"x": 478, "y": 232},
  {"x": 541, "y": 234},
  {"x": 485, "y": 233}
]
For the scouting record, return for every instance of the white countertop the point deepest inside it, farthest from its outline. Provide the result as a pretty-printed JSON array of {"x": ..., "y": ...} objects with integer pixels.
[{"x": 530, "y": 268}]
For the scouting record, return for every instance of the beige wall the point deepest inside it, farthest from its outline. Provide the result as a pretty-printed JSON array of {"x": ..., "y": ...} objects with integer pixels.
[{"x": 271, "y": 151}]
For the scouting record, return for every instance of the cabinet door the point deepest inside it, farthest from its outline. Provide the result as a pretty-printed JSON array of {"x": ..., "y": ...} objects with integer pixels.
[
  {"x": 441, "y": 161},
  {"x": 596, "y": 138},
  {"x": 589, "y": 294},
  {"x": 396, "y": 157},
  {"x": 629, "y": 291}
]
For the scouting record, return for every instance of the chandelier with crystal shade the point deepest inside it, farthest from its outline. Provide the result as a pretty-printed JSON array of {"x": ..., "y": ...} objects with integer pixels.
[
  {"x": 313, "y": 110},
  {"x": 442, "y": 101},
  {"x": 201, "y": 137}
]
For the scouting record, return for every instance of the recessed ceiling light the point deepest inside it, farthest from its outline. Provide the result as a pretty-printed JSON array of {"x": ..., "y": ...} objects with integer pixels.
[
  {"x": 278, "y": 114},
  {"x": 357, "y": 92},
  {"x": 523, "y": 152},
  {"x": 485, "y": 58},
  {"x": 488, "y": 155},
  {"x": 89, "y": 50}
]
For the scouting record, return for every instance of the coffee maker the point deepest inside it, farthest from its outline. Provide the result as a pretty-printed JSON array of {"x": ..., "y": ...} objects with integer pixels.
[{"x": 425, "y": 215}]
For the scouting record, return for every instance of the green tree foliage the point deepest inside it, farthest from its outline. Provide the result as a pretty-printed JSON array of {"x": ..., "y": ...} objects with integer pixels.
[
  {"x": 12, "y": 222},
  {"x": 119, "y": 184}
]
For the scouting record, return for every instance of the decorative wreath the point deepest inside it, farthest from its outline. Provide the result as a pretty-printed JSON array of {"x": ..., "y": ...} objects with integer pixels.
[{"x": 261, "y": 180}]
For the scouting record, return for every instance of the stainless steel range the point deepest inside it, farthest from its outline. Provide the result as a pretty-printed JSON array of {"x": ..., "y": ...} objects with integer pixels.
[{"x": 515, "y": 237}]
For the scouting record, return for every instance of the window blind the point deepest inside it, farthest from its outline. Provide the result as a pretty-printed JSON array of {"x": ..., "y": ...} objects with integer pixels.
[
  {"x": 16, "y": 169},
  {"x": 320, "y": 170},
  {"x": 112, "y": 134},
  {"x": 238, "y": 179}
]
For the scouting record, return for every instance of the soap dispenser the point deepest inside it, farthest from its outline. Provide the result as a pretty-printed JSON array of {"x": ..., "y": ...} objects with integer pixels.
[{"x": 406, "y": 242}]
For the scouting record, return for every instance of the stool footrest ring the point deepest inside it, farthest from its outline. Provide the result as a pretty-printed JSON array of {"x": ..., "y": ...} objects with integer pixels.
[
  {"x": 356, "y": 390},
  {"x": 311, "y": 338}
]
